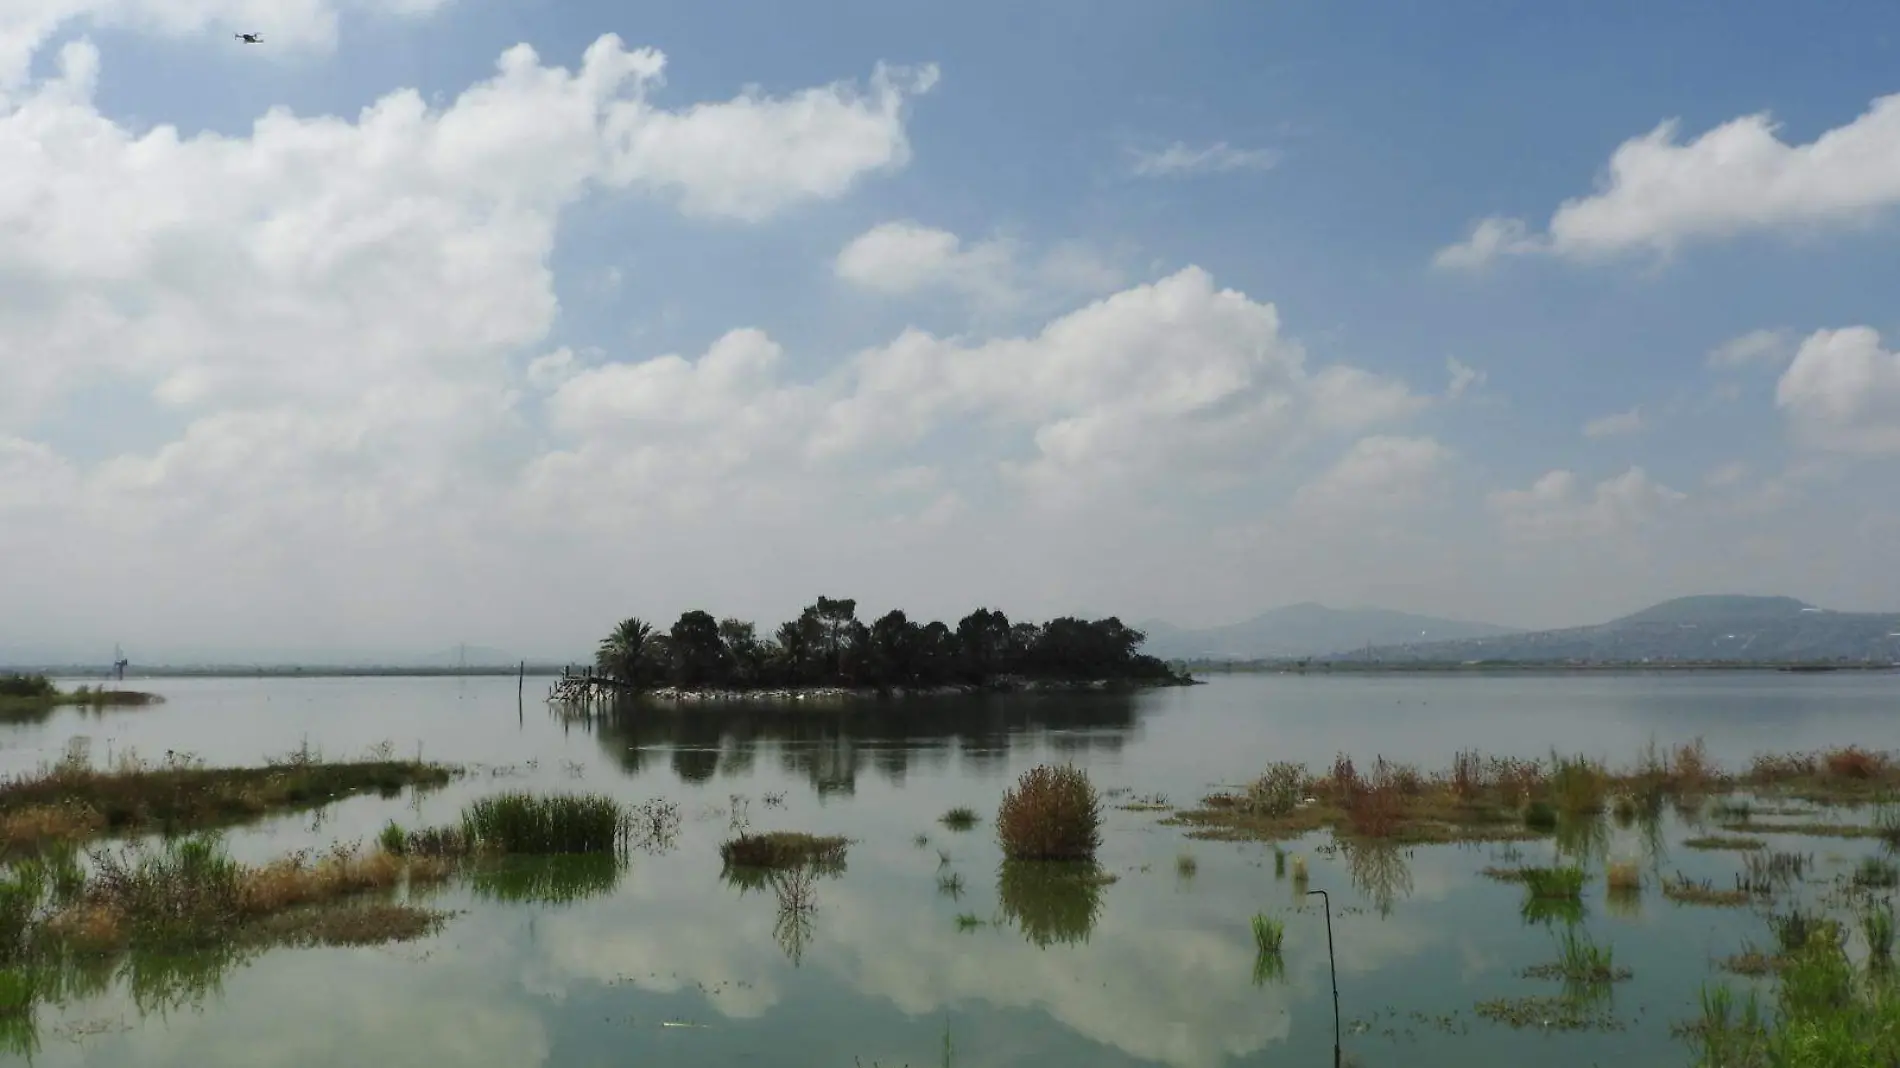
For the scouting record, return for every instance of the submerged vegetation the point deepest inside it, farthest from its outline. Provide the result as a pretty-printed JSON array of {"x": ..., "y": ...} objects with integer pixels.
[
  {"x": 1500, "y": 799},
  {"x": 72, "y": 801},
  {"x": 1052, "y": 813},
  {"x": 785, "y": 850},
  {"x": 827, "y": 646}
]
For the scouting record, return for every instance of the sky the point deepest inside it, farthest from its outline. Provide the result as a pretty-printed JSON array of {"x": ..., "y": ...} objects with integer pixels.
[{"x": 427, "y": 321}]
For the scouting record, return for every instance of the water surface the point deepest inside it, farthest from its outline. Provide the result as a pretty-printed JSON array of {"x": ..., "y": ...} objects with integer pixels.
[{"x": 1158, "y": 968}]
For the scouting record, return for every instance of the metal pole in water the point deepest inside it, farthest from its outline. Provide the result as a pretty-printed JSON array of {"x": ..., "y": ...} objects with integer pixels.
[{"x": 1333, "y": 966}]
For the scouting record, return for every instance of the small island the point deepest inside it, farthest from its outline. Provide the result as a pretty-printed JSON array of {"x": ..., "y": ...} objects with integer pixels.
[
  {"x": 26, "y": 695},
  {"x": 827, "y": 651}
]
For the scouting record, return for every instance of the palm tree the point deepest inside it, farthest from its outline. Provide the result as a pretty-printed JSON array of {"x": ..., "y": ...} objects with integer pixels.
[{"x": 619, "y": 654}]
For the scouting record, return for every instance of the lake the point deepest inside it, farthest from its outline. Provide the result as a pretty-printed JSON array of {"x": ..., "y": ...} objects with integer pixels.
[{"x": 673, "y": 965}]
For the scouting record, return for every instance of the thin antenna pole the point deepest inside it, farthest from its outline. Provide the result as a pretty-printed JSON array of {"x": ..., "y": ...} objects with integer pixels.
[{"x": 1333, "y": 965}]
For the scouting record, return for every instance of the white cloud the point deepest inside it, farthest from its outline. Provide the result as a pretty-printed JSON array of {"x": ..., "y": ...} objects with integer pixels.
[
  {"x": 1618, "y": 424},
  {"x": 1178, "y": 160},
  {"x": 903, "y": 258},
  {"x": 1464, "y": 378},
  {"x": 1842, "y": 393},
  {"x": 1556, "y": 507},
  {"x": 1161, "y": 376},
  {"x": 1490, "y": 238},
  {"x": 1739, "y": 177},
  {"x": 1752, "y": 348},
  {"x": 1382, "y": 473}
]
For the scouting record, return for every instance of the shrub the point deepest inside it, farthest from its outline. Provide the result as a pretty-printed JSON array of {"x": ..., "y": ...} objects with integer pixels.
[
  {"x": 1854, "y": 762},
  {"x": 1279, "y": 791},
  {"x": 1539, "y": 816},
  {"x": 1051, "y": 814}
]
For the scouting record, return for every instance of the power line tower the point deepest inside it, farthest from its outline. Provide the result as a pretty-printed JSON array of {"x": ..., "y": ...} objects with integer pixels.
[{"x": 119, "y": 661}]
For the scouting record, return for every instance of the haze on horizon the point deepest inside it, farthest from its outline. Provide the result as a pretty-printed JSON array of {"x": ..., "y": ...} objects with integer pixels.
[{"x": 431, "y": 322}]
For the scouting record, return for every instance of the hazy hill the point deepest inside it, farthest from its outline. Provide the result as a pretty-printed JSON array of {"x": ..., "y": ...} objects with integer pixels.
[
  {"x": 1719, "y": 628},
  {"x": 1306, "y": 629}
]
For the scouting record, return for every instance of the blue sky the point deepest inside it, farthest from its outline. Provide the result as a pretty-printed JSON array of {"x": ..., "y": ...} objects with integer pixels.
[{"x": 1359, "y": 140}]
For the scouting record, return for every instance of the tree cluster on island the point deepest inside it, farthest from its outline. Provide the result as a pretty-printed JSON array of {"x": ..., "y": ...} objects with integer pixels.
[{"x": 827, "y": 646}]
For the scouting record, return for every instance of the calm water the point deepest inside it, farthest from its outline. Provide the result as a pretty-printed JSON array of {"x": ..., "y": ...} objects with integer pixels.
[{"x": 1161, "y": 972}]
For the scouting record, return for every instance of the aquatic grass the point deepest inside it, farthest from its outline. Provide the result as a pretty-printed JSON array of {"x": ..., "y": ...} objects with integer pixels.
[
  {"x": 970, "y": 921},
  {"x": 1186, "y": 866},
  {"x": 785, "y": 850},
  {"x": 394, "y": 839},
  {"x": 1554, "y": 883},
  {"x": 1052, "y": 813},
  {"x": 71, "y": 801},
  {"x": 1279, "y": 863},
  {"x": 534, "y": 824},
  {"x": 950, "y": 886},
  {"x": 1268, "y": 933},
  {"x": 1580, "y": 960},
  {"x": 1877, "y": 873},
  {"x": 961, "y": 818},
  {"x": 1876, "y": 925},
  {"x": 1685, "y": 890}
]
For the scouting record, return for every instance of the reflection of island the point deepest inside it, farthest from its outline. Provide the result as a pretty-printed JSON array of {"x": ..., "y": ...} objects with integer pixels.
[
  {"x": 1051, "y": 902},
  {"x": 830, "y": 747}
]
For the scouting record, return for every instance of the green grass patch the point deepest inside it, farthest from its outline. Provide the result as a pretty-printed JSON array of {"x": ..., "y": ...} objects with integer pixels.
[
  {"x": 1565, "y": 883},
  {"x": 523, "y": 823},
  {"x": 961, "y": 818}
]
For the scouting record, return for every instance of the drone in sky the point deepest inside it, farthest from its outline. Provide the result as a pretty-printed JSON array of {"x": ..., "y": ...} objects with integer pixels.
[{"x": 251, "y": 38}]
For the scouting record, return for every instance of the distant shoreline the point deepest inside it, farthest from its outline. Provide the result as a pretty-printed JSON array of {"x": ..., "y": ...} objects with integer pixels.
[
  {"x": 1195, "y": 667},
  {"x": 1525, "y": 667},
  {"x": 294, "y": 672}
]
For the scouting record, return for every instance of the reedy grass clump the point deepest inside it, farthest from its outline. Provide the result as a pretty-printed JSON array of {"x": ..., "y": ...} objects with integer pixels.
[
  {"x": 961, "y": 818},
  {"x": 1268, "y": 933},
  {"x": 1876, "y": 924},
  {"x": 785, "y": 850},
  {"x": 1186, "y": 866},
  {"x": 1877, "y": 873},
  {"x": 1052, "y": 813},
  {"x": 1581, "y": 960},
  {"x": 523, "y": 823}
]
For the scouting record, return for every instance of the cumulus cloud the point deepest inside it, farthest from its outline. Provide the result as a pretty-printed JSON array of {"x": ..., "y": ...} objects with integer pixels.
[
  {"x": 1842, "y": 392},
  {"x": 905, "y": 258},
  {"x": 1381, "y": 473},
  {"x": 1179, "y": 160},
  {"x": 1557, "y": 506},
  {"x": 1659, "y": 193},
  {"x": 1614, "y": 425},
  {"x": 1171, "y": 375}
]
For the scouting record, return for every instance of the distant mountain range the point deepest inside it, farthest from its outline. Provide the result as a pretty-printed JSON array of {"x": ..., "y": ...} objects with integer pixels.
[
  {"x": 1706, "y": 628},
  {"x": 1306, "y": 629}
]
